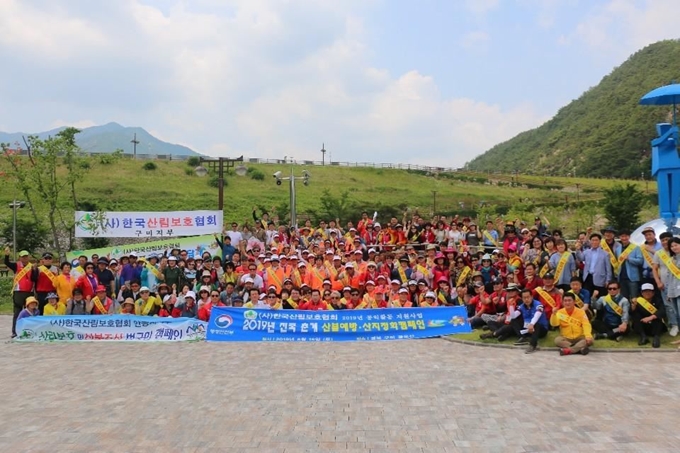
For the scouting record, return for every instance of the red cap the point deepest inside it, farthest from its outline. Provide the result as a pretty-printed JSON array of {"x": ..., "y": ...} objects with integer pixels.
[{"x": 101, "y": 288}]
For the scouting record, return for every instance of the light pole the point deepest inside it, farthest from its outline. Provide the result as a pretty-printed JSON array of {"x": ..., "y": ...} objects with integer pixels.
[
  {"x": 220, "y": 164},
  {"x": 15, "y": 205},
  {"x": 323, "y": 154},
  {"x": 305, "y": 180}
]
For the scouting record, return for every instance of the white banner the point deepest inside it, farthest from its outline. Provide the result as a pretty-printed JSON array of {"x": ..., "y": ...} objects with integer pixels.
[
  {"x": 147, "y": 224},
  {"x": 109, "y": 328}
]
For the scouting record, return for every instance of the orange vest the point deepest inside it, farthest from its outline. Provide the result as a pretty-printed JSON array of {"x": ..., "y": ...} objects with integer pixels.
[{"x": 275, "y": 278}]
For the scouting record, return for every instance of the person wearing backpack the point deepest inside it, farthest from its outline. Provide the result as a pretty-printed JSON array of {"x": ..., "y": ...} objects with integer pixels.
[{"x": 77, "y": 305}]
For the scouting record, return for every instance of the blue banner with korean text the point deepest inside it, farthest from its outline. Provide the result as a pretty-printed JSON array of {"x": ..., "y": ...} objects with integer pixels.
[
  {"x": 238, "y": 324},
  {"x": 109, "y": 328}
]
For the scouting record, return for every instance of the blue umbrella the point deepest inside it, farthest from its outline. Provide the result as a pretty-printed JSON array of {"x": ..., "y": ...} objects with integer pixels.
[{"x": 665, "y": 95}]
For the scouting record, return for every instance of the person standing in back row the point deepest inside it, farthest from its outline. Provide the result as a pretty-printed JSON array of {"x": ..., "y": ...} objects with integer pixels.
[
  {"x": 22, "y": 285},
  {"x": 597, "y": 269}
]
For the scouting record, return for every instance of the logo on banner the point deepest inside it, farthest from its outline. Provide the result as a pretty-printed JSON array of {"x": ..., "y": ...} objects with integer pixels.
[
  {"x": 436, "y": 323},
  {"x": 250, "y": 314},
  {"x": 224, "y": 321},
  {"x": 26, "y": 334},
  {"x": 457, "y": 321}
]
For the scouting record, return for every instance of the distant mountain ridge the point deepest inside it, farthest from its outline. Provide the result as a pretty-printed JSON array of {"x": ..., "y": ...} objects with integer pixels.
[
  {"x": 603, "y": 133},
  {"x": 108, "y": 138}
]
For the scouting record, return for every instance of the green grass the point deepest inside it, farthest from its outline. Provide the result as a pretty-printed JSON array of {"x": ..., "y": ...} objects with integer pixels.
[
  {"x": 125, "y": 186},
  {"x": 629, "y": 342}
]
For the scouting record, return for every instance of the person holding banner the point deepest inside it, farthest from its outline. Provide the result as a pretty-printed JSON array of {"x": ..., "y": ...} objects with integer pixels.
[
  {"x": 31, "y": 308},
  {"x": 22, "y": 284},
  {"x": 54, "y": 307},
  {"x": 147, "y": 305}
]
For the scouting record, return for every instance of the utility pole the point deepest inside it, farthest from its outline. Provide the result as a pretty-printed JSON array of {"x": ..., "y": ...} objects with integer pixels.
[
  {"x": 323, "y": 154},
  {"x": 220, "y": 164},
  {"x": 291, "y": 188},
  {"x": 134, "y": 142}
]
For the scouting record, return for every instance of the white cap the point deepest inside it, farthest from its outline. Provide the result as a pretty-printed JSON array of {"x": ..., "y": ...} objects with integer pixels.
[
  {"x": 371, "y": 250},
  {"x": 370, "y": 282},
  {"x": 412, "y": 282},
  {"x": 274, "y": 258},
  {"x": 170, "y": 258},
  {"x": 349, "y": 265},
  {"x": 397, "y": 282},
  {"x": 144, "y": 288},
  {"x": 381, "y": 276},
  {"x": 133, "y": 254},
  {"x": 376, "y": 224},
  {"x": 248, "y": 280},
  {"x": 336, "y": 257},
  {"x": 263, "y": 296},
  {"x": 647, "y": 287},
  {"x": 190, "y": 294},
  {"x": 204, "y": 288},
  {"x": 267, "y": 260},
  {"x": 431, "y": 294},
  {"x": 167, "y": 298},
  {"x": 326, "y": 281},
  {"x": 372, "y": 263},
  {"x": 353, "y": 229},
  {"x": 329, "y": 252},
  {"x": 261, "y": 255},
  {"x": 302, "y": 264},
  {"x": 403, "y": 290}
]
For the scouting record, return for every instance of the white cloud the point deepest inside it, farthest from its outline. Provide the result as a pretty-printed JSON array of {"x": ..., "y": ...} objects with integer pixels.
[
  {"x": 261, "y": 78},
  {"x": 622, "y": 27}
]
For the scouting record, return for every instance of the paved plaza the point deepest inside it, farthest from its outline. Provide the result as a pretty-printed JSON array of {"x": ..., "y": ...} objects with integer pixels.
[{"x": 416, "y": 396}]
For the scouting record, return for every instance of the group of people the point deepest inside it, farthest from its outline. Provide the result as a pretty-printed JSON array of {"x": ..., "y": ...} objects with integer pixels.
[{"x": 515, "y": 280}]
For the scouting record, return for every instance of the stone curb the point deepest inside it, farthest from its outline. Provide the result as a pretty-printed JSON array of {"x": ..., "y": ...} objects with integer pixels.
[{"x": 552, "y": 349}]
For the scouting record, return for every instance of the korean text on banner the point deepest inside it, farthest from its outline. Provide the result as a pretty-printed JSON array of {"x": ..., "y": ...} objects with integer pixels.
[
  {"x": 195, "y": 247},
  {"x": 237, "y": 324},
  {"x": 109, "y": 328},
  {"x": 91, "y": 224}
]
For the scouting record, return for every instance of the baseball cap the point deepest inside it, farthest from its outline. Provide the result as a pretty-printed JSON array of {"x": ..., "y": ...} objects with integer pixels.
[
  {"x": 403, "y": 290},
  {"x": 23, "y": 253},
  {"x": 647, "y": 287},
  {"x": 141, "y": 290}
]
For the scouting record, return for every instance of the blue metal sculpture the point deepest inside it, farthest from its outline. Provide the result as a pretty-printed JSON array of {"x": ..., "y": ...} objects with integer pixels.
[{"x": 665, "y": 155}]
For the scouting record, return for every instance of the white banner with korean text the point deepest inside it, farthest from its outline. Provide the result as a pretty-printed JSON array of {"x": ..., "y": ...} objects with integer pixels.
[{"x": 108, "y": 224}]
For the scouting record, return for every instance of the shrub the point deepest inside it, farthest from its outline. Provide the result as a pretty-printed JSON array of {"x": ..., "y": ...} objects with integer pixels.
[
  {"x": 149, "y": 166},
  {"x": 194, "y": 161},
  {"x": 189, "y": 171},
  {"x": 214, "y": 181},
  {"x": 257, "y": 175},
  {"x": 85, "y": 165}
]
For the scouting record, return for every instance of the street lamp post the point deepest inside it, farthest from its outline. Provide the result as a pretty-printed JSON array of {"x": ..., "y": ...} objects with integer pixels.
[
  {"x": 305, "y": 180},
  {"x": 323, "y": 154},
  {"x": 220, "y": 164},
  {"x": 15, "y": 204}
]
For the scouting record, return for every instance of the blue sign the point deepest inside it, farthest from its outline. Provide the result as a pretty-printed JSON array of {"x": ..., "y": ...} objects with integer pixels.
[{"x": 239, "y": 324}]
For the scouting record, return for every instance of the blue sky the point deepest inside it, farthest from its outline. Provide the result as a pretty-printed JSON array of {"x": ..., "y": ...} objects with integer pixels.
[{"x": 428, "y": 82}]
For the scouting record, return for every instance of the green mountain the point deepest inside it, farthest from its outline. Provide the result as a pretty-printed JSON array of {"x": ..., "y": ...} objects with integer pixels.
[
  {"x": 603, "y": 133},
  {"x": 108, "y": 138}
]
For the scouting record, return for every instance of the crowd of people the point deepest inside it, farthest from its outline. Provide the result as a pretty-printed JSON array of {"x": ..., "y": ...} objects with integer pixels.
[{"x": 517, "y": 281}]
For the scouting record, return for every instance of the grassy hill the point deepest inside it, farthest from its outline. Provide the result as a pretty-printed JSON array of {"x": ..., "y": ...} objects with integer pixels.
[
  {"x": 126, "y": 186},
  {"x": 603, "y": 133}
]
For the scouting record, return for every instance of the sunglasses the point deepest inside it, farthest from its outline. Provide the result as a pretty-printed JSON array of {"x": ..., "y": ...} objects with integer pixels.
[
  {"x": 271, "y": 297},
  {"x": 335, "y": 297},
  {"x": 612, "y": 288},
  {"x": 214, "y": 295}
]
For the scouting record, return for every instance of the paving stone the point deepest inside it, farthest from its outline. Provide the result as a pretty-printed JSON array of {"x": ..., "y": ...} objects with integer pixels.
[{"x": 416, "y": 396}]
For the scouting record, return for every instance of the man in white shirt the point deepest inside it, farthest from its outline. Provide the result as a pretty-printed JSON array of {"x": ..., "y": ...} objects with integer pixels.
[
  {"x": 235, "y": 235},
  {"x": 258, "y": 282}
]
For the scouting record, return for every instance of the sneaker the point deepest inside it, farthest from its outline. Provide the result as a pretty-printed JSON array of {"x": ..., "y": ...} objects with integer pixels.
[
  {"x": 531, "y": 349},
  {"x": 674, "y": 331},
  {"x": 522, "y": 341},
  {"x": 486, "y": 336},
  {"x": 565, "y": 351},
  {"x": 585, "y": 350},
  {"x": 619, "y": 338},
  {"x": 656, "y": 342}
]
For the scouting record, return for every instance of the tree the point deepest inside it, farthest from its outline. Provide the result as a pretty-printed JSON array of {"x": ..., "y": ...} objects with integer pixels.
[
  {"x": 43, "y": 184},
  {"x": 622, "y": 205},
  {"x": 30, "y": 235}
]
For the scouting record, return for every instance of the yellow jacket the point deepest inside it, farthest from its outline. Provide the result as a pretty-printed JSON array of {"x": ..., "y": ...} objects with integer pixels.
[
  {"x": 59, "y": 310},
  {"x": 64, "y": 286},
  {"x": 572, "y": 326},
  {"x": 144, "y": 308}
]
